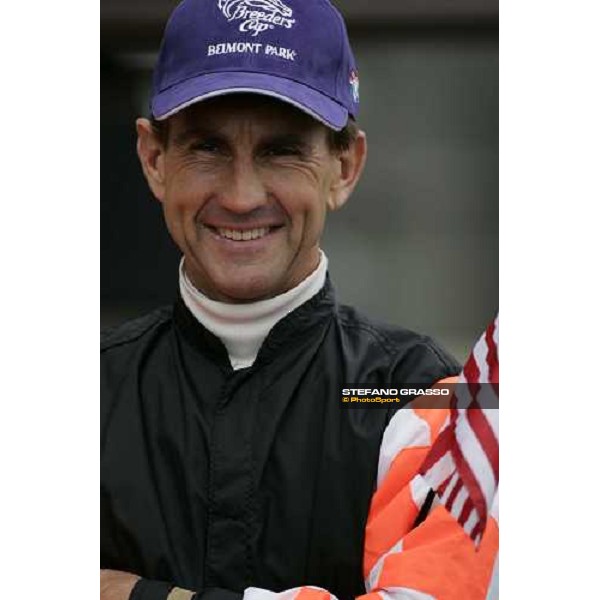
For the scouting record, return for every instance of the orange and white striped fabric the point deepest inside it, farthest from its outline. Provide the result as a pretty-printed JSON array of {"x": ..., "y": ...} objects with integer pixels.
[
  {"x": 434, "y": 560},
  {"x": 407, "y": 555}
]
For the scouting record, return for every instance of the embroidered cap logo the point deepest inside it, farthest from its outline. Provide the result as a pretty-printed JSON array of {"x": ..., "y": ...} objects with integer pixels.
[
  {"x": 354, "y": 84},
  {"x": 257, "y": 16}
]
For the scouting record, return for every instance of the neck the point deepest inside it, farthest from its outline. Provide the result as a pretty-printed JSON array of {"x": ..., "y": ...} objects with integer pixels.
[{"x": 243, "y": 327}]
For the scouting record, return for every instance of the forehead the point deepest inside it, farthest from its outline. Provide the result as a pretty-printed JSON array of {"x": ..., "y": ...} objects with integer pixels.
[{"x": 232, "y": 112}]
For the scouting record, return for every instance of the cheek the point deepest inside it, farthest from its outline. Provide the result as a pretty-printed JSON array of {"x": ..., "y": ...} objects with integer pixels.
[
  {"x": 305, "y": 206},
  {"x": 302, "y": 192},
  {"x": 183, "y": 200},
  {"x": 187, "y": 189}
]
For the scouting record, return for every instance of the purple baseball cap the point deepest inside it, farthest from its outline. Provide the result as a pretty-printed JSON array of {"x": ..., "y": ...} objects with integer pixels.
[{"x": 294, "y": 50}]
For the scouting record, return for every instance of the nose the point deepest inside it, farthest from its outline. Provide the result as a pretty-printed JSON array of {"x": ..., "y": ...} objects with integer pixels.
[{"x": 243, "y": 190}]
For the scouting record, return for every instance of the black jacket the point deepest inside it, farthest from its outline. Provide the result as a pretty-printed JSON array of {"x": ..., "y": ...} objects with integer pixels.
[{"x": 257, "y": 477}]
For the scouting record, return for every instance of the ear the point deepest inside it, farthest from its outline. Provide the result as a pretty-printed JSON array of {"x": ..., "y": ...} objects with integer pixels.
[
  {"x": 351, "y": 163},
  {"x": 151, "y": 153}
]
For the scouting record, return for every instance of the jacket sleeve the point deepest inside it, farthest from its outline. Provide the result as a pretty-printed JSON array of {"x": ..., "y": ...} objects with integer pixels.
[{"x": 414, "y": 549}]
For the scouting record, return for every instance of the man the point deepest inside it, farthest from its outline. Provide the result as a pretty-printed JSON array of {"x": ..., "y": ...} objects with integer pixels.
[{"x": 229, "y": 467}]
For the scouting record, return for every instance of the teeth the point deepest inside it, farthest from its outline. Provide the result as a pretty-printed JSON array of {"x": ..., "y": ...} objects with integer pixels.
[{"x": 246, "y": 234}]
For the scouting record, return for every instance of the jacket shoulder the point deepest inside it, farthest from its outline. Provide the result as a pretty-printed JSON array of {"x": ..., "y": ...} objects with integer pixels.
[
  {"x": 133, "y": 330},
  {"x": 409, "y": 352}
]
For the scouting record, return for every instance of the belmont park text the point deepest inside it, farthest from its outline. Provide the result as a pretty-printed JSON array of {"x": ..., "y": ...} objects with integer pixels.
[{"x": 251, "y": 48}]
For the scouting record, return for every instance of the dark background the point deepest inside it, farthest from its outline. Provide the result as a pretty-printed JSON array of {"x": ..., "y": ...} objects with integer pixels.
[{"x": 417, "y": 244}]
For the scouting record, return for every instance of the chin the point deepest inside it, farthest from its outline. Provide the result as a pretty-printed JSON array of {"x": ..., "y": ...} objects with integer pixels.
[{"x": 248, "y": 290}]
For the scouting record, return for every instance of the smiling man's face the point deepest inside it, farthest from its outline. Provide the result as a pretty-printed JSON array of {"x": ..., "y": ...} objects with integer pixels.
[{"x": 245, "y": 182}]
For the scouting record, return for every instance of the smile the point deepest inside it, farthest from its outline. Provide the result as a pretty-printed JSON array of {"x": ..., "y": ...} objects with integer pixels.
[{"x": 242, "y": 235}]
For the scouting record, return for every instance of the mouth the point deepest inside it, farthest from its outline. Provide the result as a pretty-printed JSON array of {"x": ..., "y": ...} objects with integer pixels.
[{"x": 242, "y": 235}]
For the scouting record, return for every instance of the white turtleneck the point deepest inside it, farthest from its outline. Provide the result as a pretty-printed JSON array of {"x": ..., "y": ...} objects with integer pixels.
[{"x": 243, "y": 327}]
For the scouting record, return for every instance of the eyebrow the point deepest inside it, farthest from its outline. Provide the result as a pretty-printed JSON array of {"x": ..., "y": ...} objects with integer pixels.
[
  {"x": 296, "y": 140},
  {"x": 287, "y": 139}
]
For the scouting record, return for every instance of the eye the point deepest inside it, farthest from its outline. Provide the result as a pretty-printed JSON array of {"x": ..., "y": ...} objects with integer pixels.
[{"x": 208, "y": 146}]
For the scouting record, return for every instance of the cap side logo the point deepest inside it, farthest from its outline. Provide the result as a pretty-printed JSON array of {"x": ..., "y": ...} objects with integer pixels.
[
  {"x": 354, "y": 85},
  {"x": 257, "y": 16}
]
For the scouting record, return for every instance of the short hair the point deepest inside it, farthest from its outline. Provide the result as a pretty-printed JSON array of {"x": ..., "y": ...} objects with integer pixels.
[{"x": 338, "y": 141}]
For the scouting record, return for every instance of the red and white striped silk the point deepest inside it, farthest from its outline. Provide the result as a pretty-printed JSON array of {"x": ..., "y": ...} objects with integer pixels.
[{"x": 463, "y": 463}]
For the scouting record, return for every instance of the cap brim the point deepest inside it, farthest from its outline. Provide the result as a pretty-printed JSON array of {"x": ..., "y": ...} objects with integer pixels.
[{"x": 188, "y": 92}]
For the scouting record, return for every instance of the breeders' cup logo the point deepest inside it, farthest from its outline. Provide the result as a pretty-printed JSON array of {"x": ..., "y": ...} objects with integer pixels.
[{"x": 257, "y": 16}]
